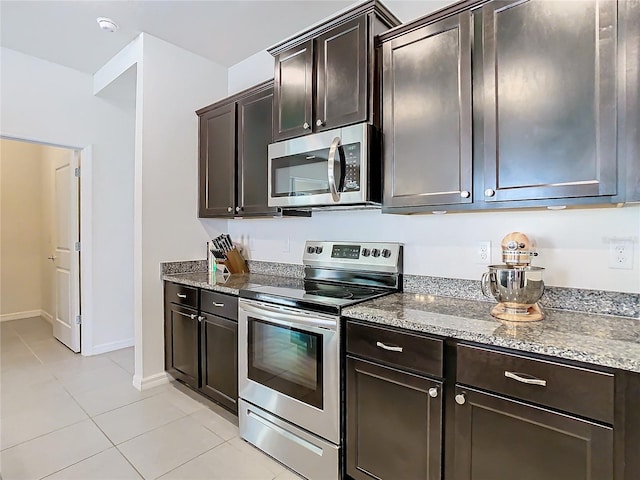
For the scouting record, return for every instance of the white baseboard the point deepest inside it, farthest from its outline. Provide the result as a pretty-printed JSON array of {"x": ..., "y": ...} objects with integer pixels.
[
  {"x": 47, "y": 316},
  {"x": 111, "y": 346},
  {"x": 5, "y": 317},
  {"x": 151, "y": 381}
]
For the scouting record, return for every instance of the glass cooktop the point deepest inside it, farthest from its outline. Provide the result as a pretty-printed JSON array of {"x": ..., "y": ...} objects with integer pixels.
[{"x": 322, "y": 297}]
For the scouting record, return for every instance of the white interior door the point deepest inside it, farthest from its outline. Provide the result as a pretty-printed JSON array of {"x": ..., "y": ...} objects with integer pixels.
[{"x": 66, "y": 258}]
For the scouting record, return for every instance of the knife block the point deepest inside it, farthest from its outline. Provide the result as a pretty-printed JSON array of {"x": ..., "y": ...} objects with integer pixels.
[{"x": 235, "y": 262}]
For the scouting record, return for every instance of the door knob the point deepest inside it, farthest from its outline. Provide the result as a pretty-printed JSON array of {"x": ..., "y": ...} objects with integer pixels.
[
  {"x": 229, "y": 209},
  {"x": 433, "y": 392},
  {"x": 489, "y": 192},
  {"x": 306, "y": 126},
  {"x": 465, "y": 194},
  {"x": 460, "y": 399},
  {"x": 320, "y": 123}
]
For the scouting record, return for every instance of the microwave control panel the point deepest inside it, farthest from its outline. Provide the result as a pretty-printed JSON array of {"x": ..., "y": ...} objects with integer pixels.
[{"x": 352, "y": 161}]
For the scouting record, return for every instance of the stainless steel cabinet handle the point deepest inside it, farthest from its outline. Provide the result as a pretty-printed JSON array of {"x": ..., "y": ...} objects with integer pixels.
[
  {"x": 52, "y": 257},
  {"x": 391, "y": 348},
  {"x": 219, "y": 305},
  {"x": 319, "y": 123},
  {"x": 465, "y": 194},
  {"x": 193, "y": 316},
  {"x": 181, "y": 295},
  {"x": 237, "y": 209},
  {"x": 229, "y": 209},
  {"x": 461, "y": 399},
  {"x": 489, "y": 192},
  {"x": 306, "y": 126},
  {"x": 433, "y": 392},
  {"x": 528, "y": 381},
  {"x": 200, "y": 318}
]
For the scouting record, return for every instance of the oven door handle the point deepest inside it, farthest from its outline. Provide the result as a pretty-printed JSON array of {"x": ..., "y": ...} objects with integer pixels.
[{"x": 288, "y": 316}]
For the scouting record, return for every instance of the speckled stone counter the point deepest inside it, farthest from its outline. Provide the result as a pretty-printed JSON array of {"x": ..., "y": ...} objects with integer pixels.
[
  {"x": 598, "y": 339},
  {"x": 231, "y": 284}
]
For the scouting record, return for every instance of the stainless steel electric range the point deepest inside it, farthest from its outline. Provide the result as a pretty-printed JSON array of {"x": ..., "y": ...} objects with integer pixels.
[{"x": 289, "y": 352}]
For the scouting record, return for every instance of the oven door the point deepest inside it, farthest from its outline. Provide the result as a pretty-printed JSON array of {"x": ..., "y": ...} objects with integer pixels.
[
  {"x": 326, "y": 168},
  {"x": 289, "y": 365}
]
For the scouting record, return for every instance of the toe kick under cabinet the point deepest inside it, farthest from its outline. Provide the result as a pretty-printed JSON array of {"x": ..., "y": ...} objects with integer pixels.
[{"x": 201, "y": 338}]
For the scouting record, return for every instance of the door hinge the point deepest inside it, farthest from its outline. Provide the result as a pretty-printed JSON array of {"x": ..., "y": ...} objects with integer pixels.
[
  {"x": 78, "y": 319},
  {"x": 76, "y": 246},
  {"x": 76, "y": 172}
]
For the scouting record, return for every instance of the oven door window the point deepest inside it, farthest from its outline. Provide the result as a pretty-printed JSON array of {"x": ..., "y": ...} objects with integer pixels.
[{"x": 286, "y": 359}]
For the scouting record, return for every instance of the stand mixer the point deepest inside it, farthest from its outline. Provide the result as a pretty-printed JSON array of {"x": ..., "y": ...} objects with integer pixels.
[{"x": 516, "y": 285}]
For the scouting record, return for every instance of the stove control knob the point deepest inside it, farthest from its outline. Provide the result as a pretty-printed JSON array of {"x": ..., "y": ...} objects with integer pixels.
[
  {"x": 311, "y": 249},
  {"x": 375, "y": 252},
  {"x": 386, "y": 253},
  {"x": 318, "y": 250},
  {"x": 366, "y": 252}
]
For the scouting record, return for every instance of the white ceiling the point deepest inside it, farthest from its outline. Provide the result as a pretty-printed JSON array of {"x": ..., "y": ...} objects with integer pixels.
[{"x": 226, "y": 32}]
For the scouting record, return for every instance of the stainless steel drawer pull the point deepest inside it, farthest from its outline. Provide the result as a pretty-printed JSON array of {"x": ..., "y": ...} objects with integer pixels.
[
  {"x": 216, "y": 304},
  {"x": 528, "y": 381},
  {"x": 181, "y": 295},
  {"x": 193, "y": 316},
  {"x": 391, "y": 348}
]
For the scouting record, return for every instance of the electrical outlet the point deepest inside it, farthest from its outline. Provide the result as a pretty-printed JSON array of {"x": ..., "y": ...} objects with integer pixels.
[
  {"x": 483, "y": 253},
  {"x": 621, "y": 254}
]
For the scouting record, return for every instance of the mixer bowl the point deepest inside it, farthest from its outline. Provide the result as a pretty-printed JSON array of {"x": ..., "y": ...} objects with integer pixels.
[{"x": 513, "y": 285}]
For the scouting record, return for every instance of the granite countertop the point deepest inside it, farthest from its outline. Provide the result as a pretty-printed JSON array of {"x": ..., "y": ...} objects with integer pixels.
[
  {"x": 598, "y": 339},
  {"x": 231, "y": 284}
]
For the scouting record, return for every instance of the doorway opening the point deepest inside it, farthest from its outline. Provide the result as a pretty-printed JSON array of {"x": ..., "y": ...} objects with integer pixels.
[{"x": 40, "y": 236}]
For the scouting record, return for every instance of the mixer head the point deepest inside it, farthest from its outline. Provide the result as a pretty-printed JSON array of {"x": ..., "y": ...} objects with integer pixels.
[{"x": 517, "y": 249}]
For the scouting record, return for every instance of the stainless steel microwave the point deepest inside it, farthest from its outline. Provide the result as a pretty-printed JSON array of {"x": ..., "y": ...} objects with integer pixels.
[{"x": 339, "y": 167}]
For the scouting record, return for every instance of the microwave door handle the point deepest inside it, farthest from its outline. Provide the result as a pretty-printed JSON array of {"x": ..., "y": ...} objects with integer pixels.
[{"x": 331, "y": 172}]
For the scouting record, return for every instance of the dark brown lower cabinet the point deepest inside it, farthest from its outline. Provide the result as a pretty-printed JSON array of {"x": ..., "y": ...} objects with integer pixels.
[
  {"x": 181, "y": 343},
  {"x": 219, "y": 360},
  {"x": 497, "y": 438},
  {"x": 394, "y": 423}
]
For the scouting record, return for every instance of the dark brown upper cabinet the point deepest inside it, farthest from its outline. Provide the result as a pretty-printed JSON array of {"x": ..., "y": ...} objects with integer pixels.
[
  {"x": 426, "y": 91},
  {"x": 234, "y": 137},
  {"x": 325, "y": 77},
  {"x": 217, "y": 171},
  {"x": 549, "y": 87},
  {"x": 512, "y": 103},
  {"x": 255, "y": 130}
]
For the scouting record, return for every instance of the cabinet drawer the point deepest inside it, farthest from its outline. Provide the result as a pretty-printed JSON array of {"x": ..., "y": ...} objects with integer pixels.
[
  {"x": 577, "y": 390},
  {"x": 415, "y": 352},
  {"x": 181, "y": 294},
  {"x": 219, "y": 304}
]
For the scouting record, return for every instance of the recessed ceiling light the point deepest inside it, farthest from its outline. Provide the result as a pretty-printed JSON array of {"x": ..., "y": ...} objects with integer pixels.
[{"x": 107, "y": 24}]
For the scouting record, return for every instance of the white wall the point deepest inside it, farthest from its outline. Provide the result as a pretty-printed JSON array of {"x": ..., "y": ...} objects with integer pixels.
[
  {"x": 572, "y": 243},
  {"x": 21, "y": 248},
  {"x": 49, "y": 103},
  {"x": 172, "y": 84}
]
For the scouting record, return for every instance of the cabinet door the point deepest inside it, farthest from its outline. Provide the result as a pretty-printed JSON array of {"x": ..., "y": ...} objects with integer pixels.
[
  {"x": 427, "y": 115},
  {"x": 394, "y": 426},
  {"x": 181, "y": 343},
  {"x": 293, "y": 92},
  {"x": 255, "y": 133},
  {"x": 501, "y": 439},
  {"x": 342, "y": 75},
  {"x": 217, "y": 168},
  {"x": 220, "y": 360},
  {"x": 550, "y": 99}
]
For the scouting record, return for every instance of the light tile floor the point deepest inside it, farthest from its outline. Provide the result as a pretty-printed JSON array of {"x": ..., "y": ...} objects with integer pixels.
[{"x": 65, "y": 416}]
